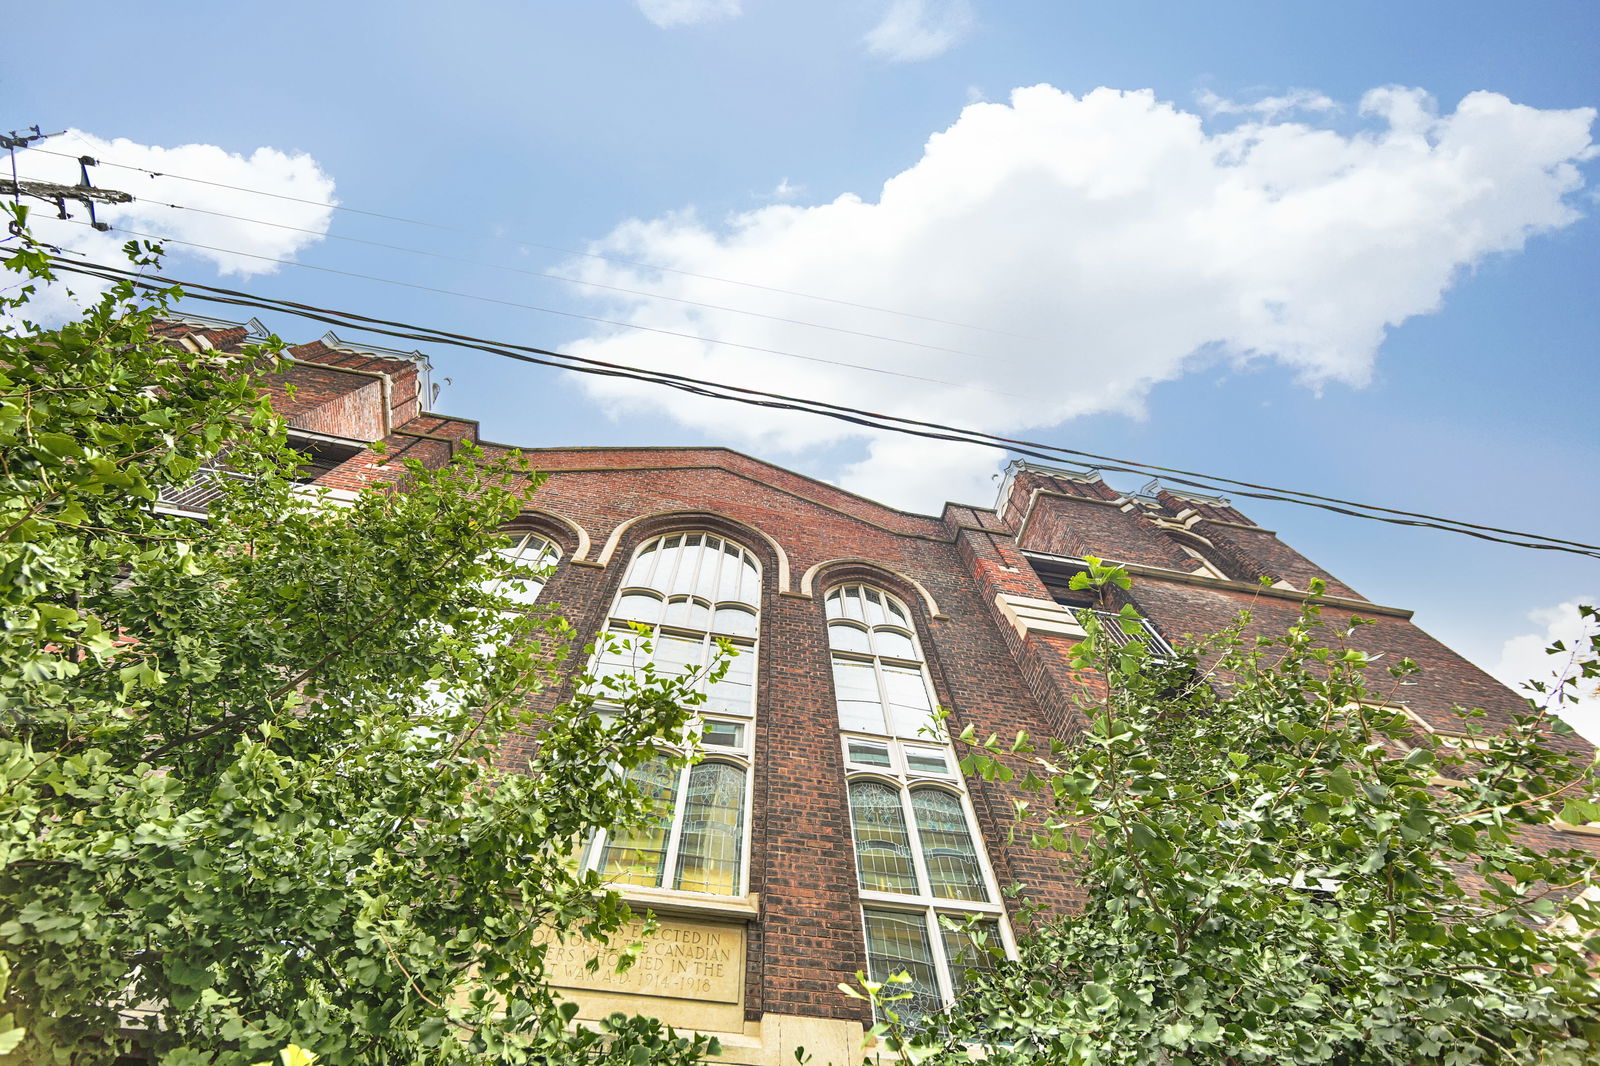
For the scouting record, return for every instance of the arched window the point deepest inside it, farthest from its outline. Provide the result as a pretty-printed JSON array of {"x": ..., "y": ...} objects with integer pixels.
[
  {"x": 689, "y": 590},
  {"x": 915, "y": 842},
  {"x": 878, "y": 676},
  {"x": 524, "y": 551}
]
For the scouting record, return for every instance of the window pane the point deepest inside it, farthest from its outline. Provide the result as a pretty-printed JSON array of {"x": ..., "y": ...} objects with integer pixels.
[
  {"x": 865, "y": 753},
  {"x": 898, "y": 943},
  {"x": 735, "y": 621},
  {"x": 926, "y": 761},
  {"x": 834, "y": 604},
  {"x": 686, "y": 613},
  {"x": 639, "y": 607},
  {"x": 737, "y": 687},
  {"x": 855, "y": 686},
  {"x": 638, "y": 856},
  {"x": 910, "y": 710},
  {"x": 619, "y": 655},
  {"x": 894, "y": 644},
  {"x": 678, "y": 655},
  {"x": 883, "y": 846},
  {"x": 947, "y": 849},
  {"x": 873, "y": 601},
  {"x": 643, "y": 563},
  {"x": 845, "y": 637},
  {"x": 728, "y": 570},
  {"x": 966, "y": 956},
  {"x": 749, "y": 582},
  {"x": 718, "y": 734},
  {"x": 897, "y": 613},
  {"x": 713, "y": 830}
]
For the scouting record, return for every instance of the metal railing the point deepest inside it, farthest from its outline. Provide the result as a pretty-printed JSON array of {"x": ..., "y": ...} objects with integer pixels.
[{"x": 1111, "y": 626}]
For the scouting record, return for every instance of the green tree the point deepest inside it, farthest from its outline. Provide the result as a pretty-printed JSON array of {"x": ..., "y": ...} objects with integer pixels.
[
  {"x": 1281, "y": 867},
  {"x": 249, "y": 789}
]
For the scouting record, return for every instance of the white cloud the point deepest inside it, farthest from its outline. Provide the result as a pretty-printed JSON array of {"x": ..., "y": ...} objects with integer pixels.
[
  {"x": 1266, "y": 107},
  {"x": 201, "y": 220},
  {"x": 913, "y": 30},
  {"x": 668, "y": 13},
  {"x": 1108, "y": 243},
  {"x": 786, "y": 192},
  {"x": 1524, "y": 658}
]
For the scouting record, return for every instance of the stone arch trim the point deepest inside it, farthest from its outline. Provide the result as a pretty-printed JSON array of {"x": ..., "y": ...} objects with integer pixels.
[
  {"x": 550, "y": 522},
  {"x": 661, "y": 522},
  {"x": 842, "y": 570}
]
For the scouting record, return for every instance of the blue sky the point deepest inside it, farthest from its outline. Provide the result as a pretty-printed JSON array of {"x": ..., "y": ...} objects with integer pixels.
[{"x": 1407, "y": 320}]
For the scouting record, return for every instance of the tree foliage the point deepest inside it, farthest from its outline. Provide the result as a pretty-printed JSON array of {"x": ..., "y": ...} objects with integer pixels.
[
  {"x": 1284, "y": 867},
  {"x": 250, "y": 791}
]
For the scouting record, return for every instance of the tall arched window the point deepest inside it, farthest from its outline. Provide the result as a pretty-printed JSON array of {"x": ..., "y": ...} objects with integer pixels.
[
  {"x": 689, "y": 590},
  {"x": 919, "y": 864},
  {"x": 878, "y": 676}
]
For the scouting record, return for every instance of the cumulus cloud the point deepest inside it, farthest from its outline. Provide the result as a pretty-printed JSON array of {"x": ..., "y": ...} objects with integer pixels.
[
  {"x": 1524, "y": 658},
  {"x": 668, "y": 13},
  {"x": 1066, "y": 254},
  {"x": 231, "y": 245},
  {"x": 913, "y": 30}
]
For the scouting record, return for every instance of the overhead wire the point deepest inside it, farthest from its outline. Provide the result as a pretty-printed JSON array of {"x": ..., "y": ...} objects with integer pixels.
[
  {"x": 857, "y": 416},
  {"x": 536, "y": 244},
  {"x": 564, "y": 314}
]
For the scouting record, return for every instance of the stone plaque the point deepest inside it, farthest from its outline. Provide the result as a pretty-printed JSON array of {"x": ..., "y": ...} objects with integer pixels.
[{"x": 683, "y": 959}]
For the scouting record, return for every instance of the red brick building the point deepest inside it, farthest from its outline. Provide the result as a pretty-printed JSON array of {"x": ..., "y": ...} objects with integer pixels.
[{"x": 826, "y": 830}]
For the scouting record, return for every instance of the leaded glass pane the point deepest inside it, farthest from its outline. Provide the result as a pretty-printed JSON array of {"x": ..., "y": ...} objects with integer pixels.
[
  {"x": 638, "y": 856},
  {"x": 713, "y": 830},
  {"x": 855, "y": 686},
  {"x": 883, "y": 845},
  {"x": 898, "y": 943},
  {"x": 947, "y": 849},
  {"x": 966, "y": 955}
]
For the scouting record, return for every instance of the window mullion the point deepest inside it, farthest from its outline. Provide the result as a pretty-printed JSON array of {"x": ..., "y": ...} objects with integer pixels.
[
  {"x": 883, "y": 695},
  {"x": 669, "y": 873},
  {"x": 941, "y": 962}
]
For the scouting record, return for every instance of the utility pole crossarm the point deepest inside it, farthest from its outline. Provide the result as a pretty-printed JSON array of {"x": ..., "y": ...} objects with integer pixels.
[{"x": 49, "y": 190}]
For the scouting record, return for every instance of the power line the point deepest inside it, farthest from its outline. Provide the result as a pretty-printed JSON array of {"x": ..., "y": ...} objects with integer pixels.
[
  {"x": 566, "y": 314},
  {"x": 547, "y": 247},
  {"x": 857, "y": 416},
  {"x": 547, "y": 275}
]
